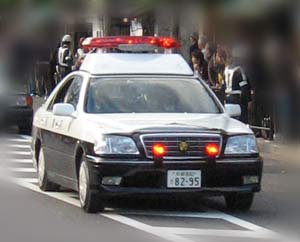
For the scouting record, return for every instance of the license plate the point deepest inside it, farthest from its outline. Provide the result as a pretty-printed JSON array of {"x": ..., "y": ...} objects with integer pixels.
[{"x": 184, "y": 179}]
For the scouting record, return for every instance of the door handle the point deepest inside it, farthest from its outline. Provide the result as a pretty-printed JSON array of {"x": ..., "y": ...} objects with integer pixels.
[
  {"x": 43, "y": 121},
  {"x": 57, "y": 124}
]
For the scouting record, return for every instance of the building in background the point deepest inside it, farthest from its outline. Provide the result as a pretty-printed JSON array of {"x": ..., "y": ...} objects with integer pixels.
[{"x": 258, "y": 24}]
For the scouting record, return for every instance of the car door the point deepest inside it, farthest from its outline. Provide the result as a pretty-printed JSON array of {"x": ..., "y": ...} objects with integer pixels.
[
  {"x": 66, "y": 141},
  {"x": 51, "y": 136}
]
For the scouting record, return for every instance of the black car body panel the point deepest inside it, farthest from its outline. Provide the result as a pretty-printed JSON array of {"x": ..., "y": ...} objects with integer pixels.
[{"x": 145, "y": 177}]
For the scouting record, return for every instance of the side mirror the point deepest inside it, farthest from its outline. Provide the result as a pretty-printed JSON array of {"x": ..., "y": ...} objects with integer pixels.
[
  {"x": 63, "y": 109},
  {"x": 233, "y": 110}
]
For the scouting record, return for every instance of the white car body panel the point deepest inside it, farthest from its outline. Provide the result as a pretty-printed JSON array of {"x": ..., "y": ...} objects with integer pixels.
[
  {"x": 89, "y": 126},
  {"x": 130, "y": 122},
  {"x": 155, "y": 64}
]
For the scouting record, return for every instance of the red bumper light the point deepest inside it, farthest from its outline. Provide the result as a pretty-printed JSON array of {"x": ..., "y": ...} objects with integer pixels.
[
  {"x": 29, "y": 101},
  {"x": 159, "y": 150},
  {"x": 212, "y": 150}
]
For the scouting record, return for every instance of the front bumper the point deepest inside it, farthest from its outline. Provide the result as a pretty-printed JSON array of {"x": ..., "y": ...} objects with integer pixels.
[{"x": 146, "y": 178}]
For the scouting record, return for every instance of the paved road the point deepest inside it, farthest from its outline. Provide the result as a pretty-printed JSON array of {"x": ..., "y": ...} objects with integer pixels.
[{"x": 27, "y": 214}]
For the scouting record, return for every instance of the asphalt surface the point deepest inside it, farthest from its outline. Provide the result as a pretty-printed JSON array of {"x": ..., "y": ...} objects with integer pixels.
[{"x": 27, "y": 214}]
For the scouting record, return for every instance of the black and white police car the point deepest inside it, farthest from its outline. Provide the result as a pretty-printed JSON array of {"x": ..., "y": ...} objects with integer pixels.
[{"x": 142, "y": 124}]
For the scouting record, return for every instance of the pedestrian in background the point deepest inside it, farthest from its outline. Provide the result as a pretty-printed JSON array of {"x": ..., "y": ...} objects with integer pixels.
[
  {"x": 53, "y": 66},
  {"x": 219, "y": 68},
  {"x": 208, "y": 73},
  {"x": 65, "y": 59},
  {"x": 238, "y": 89},
  {"x": 202, "y": 43},
  {"x": 197, "y": 62},
  {"x": 193, "y": 46},
  {"x": 80, "y": 54}
]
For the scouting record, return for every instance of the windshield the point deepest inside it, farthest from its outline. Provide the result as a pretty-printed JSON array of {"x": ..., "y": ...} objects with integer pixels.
[{"x": 148, "y": 95}]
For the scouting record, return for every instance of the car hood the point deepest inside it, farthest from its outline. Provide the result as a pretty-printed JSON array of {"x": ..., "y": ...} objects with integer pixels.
[{"x": 127, "y": 123}]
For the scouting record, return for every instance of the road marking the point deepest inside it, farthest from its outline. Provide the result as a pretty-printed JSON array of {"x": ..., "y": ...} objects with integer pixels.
[
  {"x": 27, "y": 180},
  {"x": 18, "y": 152},
  {"x": 214, "y": 232},
  {"x": 25, "y": 161},
  {"x": 146, "y": 228},
  {"x": 245, "y": 224},
  {"x": 27, "y": 137},
  {"x": 62, "y": 196},
  {"x": 19, "y": 140},
  {"x": 20, "y": 169},
  {"x": 17, "y": 146},
  {"x": 207, "y": 215}
]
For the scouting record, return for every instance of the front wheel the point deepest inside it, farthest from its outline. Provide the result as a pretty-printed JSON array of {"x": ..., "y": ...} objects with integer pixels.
[
  {"x": 89, "y": 200},
  {"x": 242, "y": 202}
]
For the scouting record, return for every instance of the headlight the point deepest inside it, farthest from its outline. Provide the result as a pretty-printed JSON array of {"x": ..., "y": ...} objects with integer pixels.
[
  {"x": 243, "y": 144},
  {"x": 112, "y": 144}
]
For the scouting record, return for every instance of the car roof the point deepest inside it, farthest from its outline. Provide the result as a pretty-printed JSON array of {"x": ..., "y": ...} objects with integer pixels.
[{"x": 135, "y": 63}]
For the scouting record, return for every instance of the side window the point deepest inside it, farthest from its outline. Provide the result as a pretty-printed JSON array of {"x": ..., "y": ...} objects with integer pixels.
[
  {"x": 59, "y": 97},
  {"x": 72, "y": 95}
]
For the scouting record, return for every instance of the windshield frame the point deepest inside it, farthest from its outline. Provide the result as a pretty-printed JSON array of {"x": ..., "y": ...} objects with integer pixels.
[{"x": 211, "y": 94}]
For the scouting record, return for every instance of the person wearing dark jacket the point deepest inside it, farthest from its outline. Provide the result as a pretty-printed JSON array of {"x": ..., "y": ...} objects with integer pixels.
[
  {"x": 218, "y": 69},
  {"x": 208, "y": 72},
  {"x": 194, "y": 43},
  {"x": 197, "y": 62},
  {"x": 53, "y": 65},
  {"x": 193, "y": 47}
]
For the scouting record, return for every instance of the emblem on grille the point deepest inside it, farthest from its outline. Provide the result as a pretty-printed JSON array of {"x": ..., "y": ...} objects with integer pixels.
[{"x": 183, "y": 147}]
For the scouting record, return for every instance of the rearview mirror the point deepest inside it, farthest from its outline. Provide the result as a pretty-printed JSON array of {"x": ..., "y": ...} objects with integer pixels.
[
  {"x": 233, "y": 110},
  {"x": 63, "y": 109}
]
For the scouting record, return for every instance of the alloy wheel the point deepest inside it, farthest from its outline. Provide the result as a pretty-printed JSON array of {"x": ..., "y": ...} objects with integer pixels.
[
  {"x": 83, "y": 184},
  {"x": 41, "y": 168}
]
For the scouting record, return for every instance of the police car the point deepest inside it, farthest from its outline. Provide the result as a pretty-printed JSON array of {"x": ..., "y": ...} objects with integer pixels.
[{"x": 142, "y": 124}]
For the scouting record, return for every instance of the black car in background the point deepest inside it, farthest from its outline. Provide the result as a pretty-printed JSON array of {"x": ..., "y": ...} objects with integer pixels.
[{"x": 17, "y": 110}]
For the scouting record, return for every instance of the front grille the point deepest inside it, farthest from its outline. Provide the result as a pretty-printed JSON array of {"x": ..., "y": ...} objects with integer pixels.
[{"x": 196, "y": 144}]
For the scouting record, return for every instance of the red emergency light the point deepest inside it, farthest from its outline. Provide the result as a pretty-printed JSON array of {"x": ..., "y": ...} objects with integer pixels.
[
  {"x": 159, "y": 150},
  {"x": 168, "y": 43},
  {"x": 212, "y": 150},
  {"x": 116, "y": 41}
]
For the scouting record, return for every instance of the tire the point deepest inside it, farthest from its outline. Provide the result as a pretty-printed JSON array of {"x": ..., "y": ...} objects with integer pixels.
[
  {"x": 89, "y": 201},
  {"x": 43, "y": 181},
  {"x": 25, "y": 129},
  {"x": 239, "y": 202}
]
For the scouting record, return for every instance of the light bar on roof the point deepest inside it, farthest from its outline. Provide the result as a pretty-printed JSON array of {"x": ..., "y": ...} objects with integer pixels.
[{"x": 117, "y": 41}]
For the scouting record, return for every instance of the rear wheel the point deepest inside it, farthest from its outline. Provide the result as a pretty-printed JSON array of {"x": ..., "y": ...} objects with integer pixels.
[
  {"x": 44, "y": 183},
  {"x": 89, "y": 200},
  {"x": 237, "y": 201}
]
